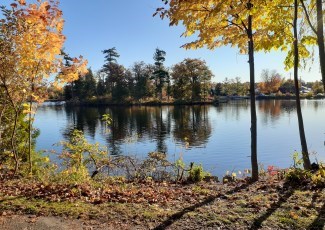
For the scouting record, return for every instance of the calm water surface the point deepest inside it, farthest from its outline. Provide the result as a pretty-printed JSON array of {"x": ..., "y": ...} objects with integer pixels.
[{"x": 217, "y": 137}]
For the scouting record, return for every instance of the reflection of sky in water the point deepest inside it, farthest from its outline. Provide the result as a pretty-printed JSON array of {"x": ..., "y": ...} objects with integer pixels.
[{"x": 219, "y": 137}]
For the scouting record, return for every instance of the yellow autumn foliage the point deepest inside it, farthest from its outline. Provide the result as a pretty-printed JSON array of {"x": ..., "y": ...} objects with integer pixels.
[{"x": 34, "y": 37}]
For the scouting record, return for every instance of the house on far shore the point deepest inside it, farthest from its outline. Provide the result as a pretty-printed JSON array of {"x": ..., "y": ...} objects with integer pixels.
[{"x": 305, "y": 89}]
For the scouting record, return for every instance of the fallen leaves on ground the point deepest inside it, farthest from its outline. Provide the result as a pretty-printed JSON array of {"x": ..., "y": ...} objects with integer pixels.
[{"x": 133, "y": 192}]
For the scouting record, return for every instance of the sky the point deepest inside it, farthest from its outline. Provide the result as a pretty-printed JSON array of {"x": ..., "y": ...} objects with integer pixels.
[{"x": 128, "y": 25}]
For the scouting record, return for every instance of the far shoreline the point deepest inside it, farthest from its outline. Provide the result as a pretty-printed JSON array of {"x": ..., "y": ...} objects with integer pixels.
[{"x": 104, "y": 102}]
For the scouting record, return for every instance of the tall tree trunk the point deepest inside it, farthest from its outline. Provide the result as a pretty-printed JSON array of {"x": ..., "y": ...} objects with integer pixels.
[
  {"x": 1, "y": 114},
  {"x": 13, "y": 143},
  {"x": 320, "y": 39},
  {"x": 303, "y": 142},
  {"x": 319, "y": 32},
  {"x": 161, "y": 85},
  {"x": 72, "y": 88},
  {"x": 252, "y": 100},
  {"x": 30, "y": 137}
]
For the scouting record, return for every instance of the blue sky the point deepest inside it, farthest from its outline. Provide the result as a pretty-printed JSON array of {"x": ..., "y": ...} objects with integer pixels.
[{"x": 128, "y": 25}]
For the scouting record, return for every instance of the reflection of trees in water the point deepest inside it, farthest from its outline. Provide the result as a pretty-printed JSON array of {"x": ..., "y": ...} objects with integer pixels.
[
  {"x": 288, "y": 106},
  {"x": 160, "y": 129},
  {"x": 117, "y": 129},
  {"x": 316, "y": 104},
  {"x": 137, "y": 123},
  {"x": 83, "y": 118},
  {"x": 142, "y": 123},
  {"x": 191, "y": 123},
  {"x": 233, "y": 109},
  {"x": 49, "y": 107},
  {"x": 271, "y": 110}
]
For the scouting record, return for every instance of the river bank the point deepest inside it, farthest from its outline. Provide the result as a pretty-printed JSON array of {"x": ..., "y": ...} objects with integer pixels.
[{"x": 211, "y": 101}]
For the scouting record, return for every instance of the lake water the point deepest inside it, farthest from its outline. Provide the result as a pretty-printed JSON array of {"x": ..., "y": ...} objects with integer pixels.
[{"x": 218, "y": 137}]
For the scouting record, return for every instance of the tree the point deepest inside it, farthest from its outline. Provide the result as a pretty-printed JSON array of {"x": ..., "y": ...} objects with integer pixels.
[
  {"x": 100, "y": 89},
  {"x": 249, "y": 25},
  {"x": 83, "y": 88},
  {"x": 303, "y": 141},
  {"x": 317, "y": 87},
  {"x": 317, "y": 30},
  {"x": 218, "y": 89},
  {"x": 89, "y": 89},
  {"x": 271, "y": 81},
  {"x": 238, "y": 86},
  {"x": 287, "y": 86},
  {"x": 287, "y": 23},
  {"x": 32, "y": 40},
  {"x": 118, "y": 78},
  {"x": 111, "y": 56},
  {"x": 68, "y": 88},
  {"x": 226, "y": 89},
  {"x": 116, "y": 82},
  {"x": 160, "y": 74},
  {"x": 234, "y": 86},
  {"x": 191, "y": 78},
  {"x": 141, "y": 74}
]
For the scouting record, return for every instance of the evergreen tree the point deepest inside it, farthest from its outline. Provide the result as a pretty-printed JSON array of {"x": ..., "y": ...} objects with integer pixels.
[
  {"x": 101, "y": 90},
  {"x": 111, "y": 56},
  {"x": 160, "y": 74}
]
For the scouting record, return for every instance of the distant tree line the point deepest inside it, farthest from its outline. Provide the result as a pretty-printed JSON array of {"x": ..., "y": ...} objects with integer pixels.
[
  {"x": 189, "y": 80},
  {"x": 271, "y": 83},
  {"x": 186, "y": 81}
]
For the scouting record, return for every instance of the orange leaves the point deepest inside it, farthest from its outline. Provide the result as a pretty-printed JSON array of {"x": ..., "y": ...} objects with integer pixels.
[
  {"x": 22, "y": 2},
  {"x": 35, "y": 33},
  {"x": 59, "y": 25},
  {"x": 73, "y": 72},
  {"x": 126, "y": 192}
]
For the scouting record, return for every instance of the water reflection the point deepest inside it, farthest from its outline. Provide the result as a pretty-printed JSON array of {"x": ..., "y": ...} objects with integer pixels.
[
  {"x": 215, "y": 135},
  {"x": 191, "y": 125},
  {"x": 85, "y": 119},
  {"x": 187, "y": 124},
  {"x": 234, "y": 109},
  {"x": 270, "y": 111}
]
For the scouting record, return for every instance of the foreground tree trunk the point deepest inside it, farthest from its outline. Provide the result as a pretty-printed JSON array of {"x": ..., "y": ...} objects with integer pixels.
[
  {"x": 13, "y": 144},
  {"x": 303, "y": 142},
  {"x": 30, "y": 138},
  {"x": 320, "y": 39},
  {"x": 319, "y": 32},
  {"x": 252, "y": 100}
]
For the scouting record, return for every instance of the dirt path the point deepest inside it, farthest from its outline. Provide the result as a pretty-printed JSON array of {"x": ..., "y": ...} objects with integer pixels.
[
  {"x": 40, "y": 223},
  {"x": 32, "y": 222}
]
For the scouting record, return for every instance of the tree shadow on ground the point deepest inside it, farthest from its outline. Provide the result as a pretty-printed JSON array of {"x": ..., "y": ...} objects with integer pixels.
[
  {"x": 285, "y": 194},
  {"x": 319, "y": 222},
  {"x": 175, "y": 217}
]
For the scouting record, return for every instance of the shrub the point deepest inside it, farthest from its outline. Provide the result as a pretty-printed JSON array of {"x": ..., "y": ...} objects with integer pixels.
[
  {"x": 298, "y": 176},
  {"x": 79, "y": 156},
  {"x": 196, "y": 173},
  {"x": 318, "y": 178}
]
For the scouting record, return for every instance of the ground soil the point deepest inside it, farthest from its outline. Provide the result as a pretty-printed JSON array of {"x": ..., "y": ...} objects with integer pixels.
[{"x": 267, "y": 204}]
